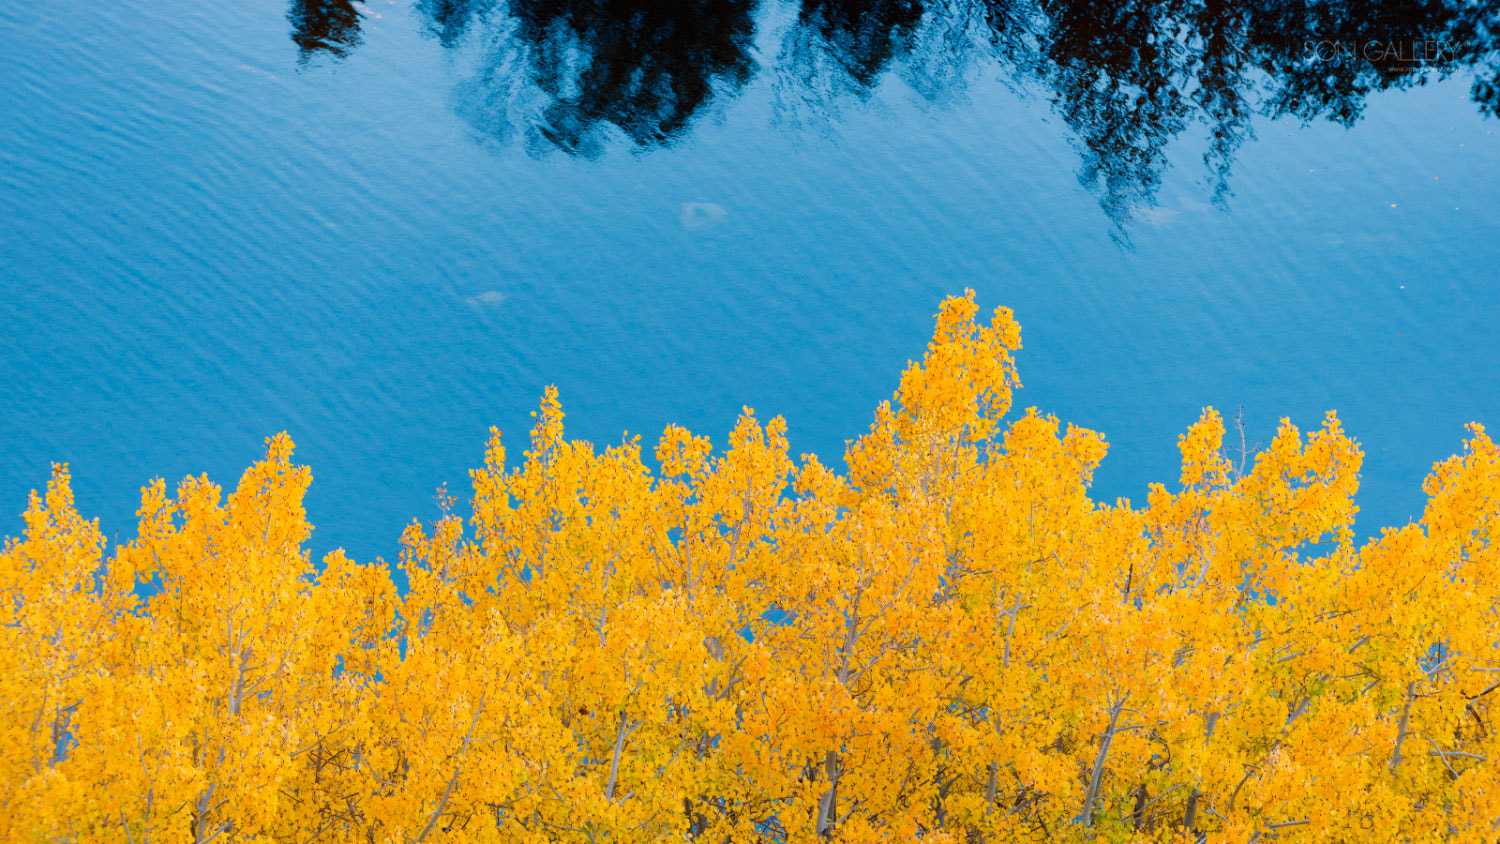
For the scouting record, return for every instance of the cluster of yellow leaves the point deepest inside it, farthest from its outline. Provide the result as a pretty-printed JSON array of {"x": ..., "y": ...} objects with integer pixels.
[{"x": 949, "y": 643}]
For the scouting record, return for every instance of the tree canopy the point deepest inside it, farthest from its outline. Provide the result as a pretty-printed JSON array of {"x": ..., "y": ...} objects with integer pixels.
[{"x": 950, "y": 641}]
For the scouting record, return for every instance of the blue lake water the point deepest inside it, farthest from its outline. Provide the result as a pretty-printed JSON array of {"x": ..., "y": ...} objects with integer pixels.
[{"x": 384, "y": 227}]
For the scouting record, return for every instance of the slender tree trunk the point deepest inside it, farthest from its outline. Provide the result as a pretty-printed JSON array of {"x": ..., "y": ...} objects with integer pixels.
[
  {"x": 828, "y": 804},
  {"x": 1411, "y": 693},
  {"x": 1097, "y": 778},
  {"x": 1138, "y": 813},
  {"x": 1190, "y": 817}
]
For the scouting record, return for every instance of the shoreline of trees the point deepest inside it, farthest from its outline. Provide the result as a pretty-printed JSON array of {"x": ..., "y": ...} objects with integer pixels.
[{"x": 948, "y": 642}]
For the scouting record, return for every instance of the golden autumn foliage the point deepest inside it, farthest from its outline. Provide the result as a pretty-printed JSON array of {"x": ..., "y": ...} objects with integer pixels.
[{"x": 950, "y": 642}]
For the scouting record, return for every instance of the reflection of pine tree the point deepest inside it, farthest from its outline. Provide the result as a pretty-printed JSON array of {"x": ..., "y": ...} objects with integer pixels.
[
  {"x": 324, "y": 26},
  {"x": 448, "y": 20},
  {"x": 859, "y": 38},
  {"x": 645, "y": 68},
  {"x": 1131, "y": 77}
]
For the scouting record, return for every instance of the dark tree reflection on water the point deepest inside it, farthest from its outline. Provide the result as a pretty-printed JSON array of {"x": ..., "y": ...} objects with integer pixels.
[
  {"x": 1128, "y": 78},
  {"x": 324, "y": 27},
  {"x": 645, "y": 68},
  {"x": 448, "y": 20},
  {"x": 855, "y": 41}
]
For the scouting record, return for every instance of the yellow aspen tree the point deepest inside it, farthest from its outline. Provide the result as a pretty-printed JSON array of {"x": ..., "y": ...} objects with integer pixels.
[{"x": 59, "y": 611}]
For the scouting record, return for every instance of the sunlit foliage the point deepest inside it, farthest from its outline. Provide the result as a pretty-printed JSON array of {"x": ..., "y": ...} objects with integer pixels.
[{"x": 948, "y": 642}]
